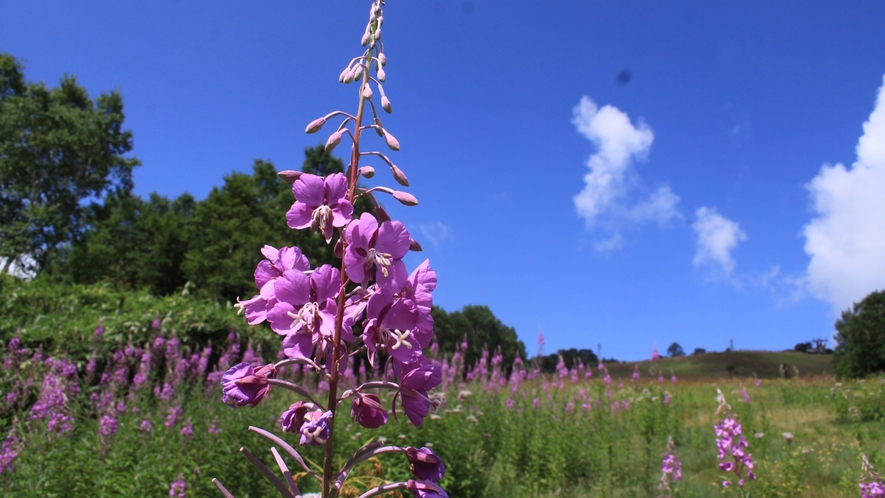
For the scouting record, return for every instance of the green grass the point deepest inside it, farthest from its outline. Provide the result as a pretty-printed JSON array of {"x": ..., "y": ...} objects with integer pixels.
[{"x": 744, "y": 364}]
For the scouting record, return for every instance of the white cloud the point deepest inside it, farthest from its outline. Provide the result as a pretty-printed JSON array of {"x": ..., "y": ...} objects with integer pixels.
[
  {"x": 717, "y": 237},
  {"x": 612, "y": 192},
  {"x": 436, "y": 232},
  {"x": 613, "y": 242},
  {"x": 846, "y": 237}
]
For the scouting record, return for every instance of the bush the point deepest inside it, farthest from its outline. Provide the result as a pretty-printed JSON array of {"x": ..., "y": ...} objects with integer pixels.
[{"x": 860, "y": 338}]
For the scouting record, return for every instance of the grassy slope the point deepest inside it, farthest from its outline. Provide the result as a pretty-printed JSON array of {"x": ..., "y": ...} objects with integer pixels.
[{"x": 713, "y": 365}]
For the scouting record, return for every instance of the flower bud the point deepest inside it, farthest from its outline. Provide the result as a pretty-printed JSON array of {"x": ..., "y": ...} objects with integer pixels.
[
  {"x": 405, "y": 198},
  {"x": 365, "y": 39},
  {"x": 367, "y": 411},
  {"x": 357, "y": 71},
  {"x": 399, "y": 176},
  {"x": 378, "y": 33},
  {"x": 289, "y": 176},
  {"x": 315, "y": 125},
  {"x": 382, "y": 76},
  {"x": 333, "y": 141},
  {"x": 367, "y": 91},
  {"x": 382, "y": 58},
  {"x": 339, "y": 249},
  {"x": 343, "y": 76},
  {"x": 415, "y": 246},
  {"x": 367, "y": 171},
  {"x": 385, "y": 104},
  {"x": 350, "y": 76},
  {"x": 392, "y": 142}
]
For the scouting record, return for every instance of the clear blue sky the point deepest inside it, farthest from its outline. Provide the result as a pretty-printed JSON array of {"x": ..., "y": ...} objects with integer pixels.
[{"x": 689, "y": 203}]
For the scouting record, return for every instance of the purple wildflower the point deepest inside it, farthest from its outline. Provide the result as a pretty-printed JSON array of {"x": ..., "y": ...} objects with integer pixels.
[
  {"x": 870, "y": 482},
  {"x": 425, "y": 464},
  {"x": 425, "y": 489},
  {"x": 292, "y": 418},
  {"x": 243, "y": 385},
  {"x": 416, "y": 378},
  {"x": 178, "y": 488},
  {"x": 382, "y": 246},
  {"x": 188, "y": 429},
  {"x": 320, "y": 203},
  {"x": 145, "y": 426},
  {"x": 8, "y": 452},
  {"x": 108, "y": 426},
  {"x": 98, "y": 332},
  {"x": 367, "y": 411},
  {"x": 172, "y": 416},
  {"x": 315, "y": 430}
]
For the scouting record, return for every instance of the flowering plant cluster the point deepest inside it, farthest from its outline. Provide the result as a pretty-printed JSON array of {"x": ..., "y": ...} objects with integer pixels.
[
  {"x": 732, "y": 446},
  {"x": 671, "y": 468},
  {"x": 327, "y": 315},
  {"x": 870, "y": 482}
]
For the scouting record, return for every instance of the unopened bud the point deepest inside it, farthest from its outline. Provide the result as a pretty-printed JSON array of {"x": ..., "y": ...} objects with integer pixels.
[
  {"x": 367, "y": 171},
  {"x": 380, "y": 20},
  {"x": 392, "y": 142},
  {"x": 382, "y": 58},
  {"x": 315, "y": 125},
  {"x": 381, "y": 214},
  {"x": 399, "y": 176},
  {"x": 385, "y": 104},
  {"x": 350, "y": 76},
  {"x": 365, "y": 39},
  {"x": 378, "y": 128},
  {"x": 343, "y": 76},
  {"x": 333, "y": 141},
  {"x": 367, "y": 91},
  {"x": 405, "y": 197},
  {"x": 357, "y": 71},
  {"x": 415, "y": 246},
  {"x": 289, "y": 176},
  {"x": 382, "y": 76},
  {"x": 378, "y": 32},
  {"x": 339, "y": 249}
]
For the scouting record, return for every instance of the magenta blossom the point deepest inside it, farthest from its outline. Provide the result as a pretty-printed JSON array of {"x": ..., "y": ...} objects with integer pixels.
[
  {"x": 243, "y": 385},
  {"x": 392, "y": 326},
  {"x": 367, "y": 411},
  {"x": 416, "y": 378},
  {"x": 425, "y": 465},
  {"x": 266, "y": 273},
  {"x": 292, "y": 418},
  {"x": 306, "y": 309},
  {"x": 315, "y": 430},
  {"x": 320, "y": 204},
  {"x": 384, "y": 246}
]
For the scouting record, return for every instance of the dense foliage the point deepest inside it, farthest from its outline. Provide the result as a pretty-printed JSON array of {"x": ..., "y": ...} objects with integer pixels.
[
  {"x": 58, "y": 148},
  {"x": 860, "y": 338}
]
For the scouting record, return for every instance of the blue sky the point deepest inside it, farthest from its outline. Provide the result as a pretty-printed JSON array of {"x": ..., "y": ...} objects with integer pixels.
[{"x": 700, "y": 201}]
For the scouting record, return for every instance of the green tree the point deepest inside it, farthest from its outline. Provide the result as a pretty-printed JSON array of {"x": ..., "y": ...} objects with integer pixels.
[
  {"x": 233, "y": 223},
  {"x": 481, "y": 329},
  {"x": 58, "y": 147},
  {"x": 675, "y": 350},
  {"x": 860, "y": 338},
  {"x": 134, "y": 243}
]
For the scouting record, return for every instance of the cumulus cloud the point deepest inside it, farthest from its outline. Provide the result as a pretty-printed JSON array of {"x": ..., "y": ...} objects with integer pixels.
[
  {"x": 612, "y": 191},
  {"x": 436, "y": 232},
  {"x": 845, "y": 238},
  {"x": 717, "y": 238}
]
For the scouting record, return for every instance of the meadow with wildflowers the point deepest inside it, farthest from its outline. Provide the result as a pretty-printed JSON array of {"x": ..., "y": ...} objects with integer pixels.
[
  {"x": 136, "y": 405},
  {"x": 146, "y": 420}
]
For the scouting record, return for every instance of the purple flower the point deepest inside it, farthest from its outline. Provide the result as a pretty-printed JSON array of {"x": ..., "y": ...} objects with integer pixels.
[
  {"x": 392, "y": 326},
  {"x": 306, "y": 309},
  {"x": 99, "y": 331},
  {"x": 188, "y": 429},
  {"x": 108, "y": 426},
  {"x": 425, "y": 464},
  {"x": 416, "y": 378},
  {"x": 382, "y": 246},
  {"x": 292, "y": 418},
  {"x": 320, "y": 204},
  {"x": 315, "y": 430},
  {"x": 177, "y": 490},
  {"x": 266, "y": 273},
  {"x": 242, "y": 385},
  {"x": 425, "y": 489},
  {"x": 172, "y": 416},
  {"x": 367, "y": 411},
  {"x": 145, "y": 426}
]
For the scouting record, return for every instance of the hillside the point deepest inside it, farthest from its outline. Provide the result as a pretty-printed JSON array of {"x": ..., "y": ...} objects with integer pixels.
[{"x": 717, "y": 365}]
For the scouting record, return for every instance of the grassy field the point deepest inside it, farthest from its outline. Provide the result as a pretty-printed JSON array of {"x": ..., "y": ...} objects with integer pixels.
[
  {"x": 565, "y": 436},
  {"x": 730, "y": 364}
]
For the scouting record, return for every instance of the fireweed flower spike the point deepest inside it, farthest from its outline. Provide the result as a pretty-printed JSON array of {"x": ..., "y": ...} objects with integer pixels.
[
  {"x": 315, "y": 311},
  {"x": 870, "y": 482}
]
